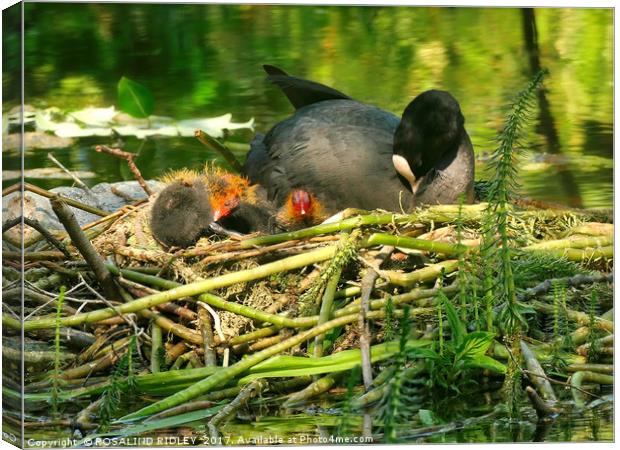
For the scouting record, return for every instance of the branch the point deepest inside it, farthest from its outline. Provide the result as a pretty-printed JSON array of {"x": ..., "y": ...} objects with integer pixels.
[
  {"x": 86, "y": 249},
  {"x": 214, "y": 144},
  {"x": 117, "y": 152}
]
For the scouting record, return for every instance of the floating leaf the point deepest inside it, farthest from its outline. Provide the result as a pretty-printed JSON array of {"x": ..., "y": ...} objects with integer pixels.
[
  {"x": 134, "y": 98},
  {"x": 214, "y": 126},
  {"x": 99, "y": 117}
]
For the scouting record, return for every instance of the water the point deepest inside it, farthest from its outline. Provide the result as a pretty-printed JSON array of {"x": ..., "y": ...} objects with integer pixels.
[{"x": 205, "y": 60}]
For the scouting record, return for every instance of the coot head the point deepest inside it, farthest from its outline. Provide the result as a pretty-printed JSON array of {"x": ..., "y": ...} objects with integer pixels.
[{"x": 428, "y": 135}]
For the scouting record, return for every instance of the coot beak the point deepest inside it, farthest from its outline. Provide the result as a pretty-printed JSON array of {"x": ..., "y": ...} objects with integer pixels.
[{"x": 402, "y": 167}]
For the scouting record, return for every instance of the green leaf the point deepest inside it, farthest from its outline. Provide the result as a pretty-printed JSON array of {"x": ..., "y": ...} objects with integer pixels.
[
  {"x": 134, "y": 98},
  {"x": 474, "y": 344},
  {"x": 485, "y": 362},
  {"x": 456, "y": 325}
]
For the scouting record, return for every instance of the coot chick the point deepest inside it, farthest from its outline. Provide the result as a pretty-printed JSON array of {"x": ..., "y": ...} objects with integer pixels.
[
  {"x": 353, "y": 155},
  {"x": 181, "y": 213}
]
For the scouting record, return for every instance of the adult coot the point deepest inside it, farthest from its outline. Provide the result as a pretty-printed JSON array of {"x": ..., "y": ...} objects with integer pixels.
[{"x": 350, "y": 154}]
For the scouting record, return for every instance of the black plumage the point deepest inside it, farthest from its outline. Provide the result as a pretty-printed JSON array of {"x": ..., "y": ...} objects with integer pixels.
[{"x": 343, "y": 151}]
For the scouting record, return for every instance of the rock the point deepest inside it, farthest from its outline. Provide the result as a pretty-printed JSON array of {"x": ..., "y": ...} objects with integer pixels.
[
  {"x": 102, "y": 196},
  {"x": 35, "y": 140}
]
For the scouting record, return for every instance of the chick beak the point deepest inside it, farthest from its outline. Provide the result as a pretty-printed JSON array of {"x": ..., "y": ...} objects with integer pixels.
[{"x": 218, "y": 214}]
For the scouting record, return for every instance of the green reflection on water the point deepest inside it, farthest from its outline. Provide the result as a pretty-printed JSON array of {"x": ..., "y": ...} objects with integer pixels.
[{"x": 204, "y": 60}]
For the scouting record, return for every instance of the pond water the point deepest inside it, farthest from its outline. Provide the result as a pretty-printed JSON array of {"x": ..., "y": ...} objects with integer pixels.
[{"x": 205, "y": 60}]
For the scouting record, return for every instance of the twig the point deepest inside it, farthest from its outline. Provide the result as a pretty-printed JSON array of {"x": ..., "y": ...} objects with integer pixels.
[
  {"x": 562, "y": 383},
  {"x": 116, "y": 191},
  {"x": 79, "y": 182},
  {"x": 86, "y": 249},
  {"x": 117, "y": 152},
  {"x": 368, "y": 284},
  {"x": 40, "y": 228},
  {"x": 543, "y": 409},
  {"x": 246, "y": 394},
  {"x": 574, "y": 281},
  {"x": 206, "y": 327},
  {"x": 217, "y": 324},
  {"x": 216, "y": 145},
  {"x": 156, "y": 346}
]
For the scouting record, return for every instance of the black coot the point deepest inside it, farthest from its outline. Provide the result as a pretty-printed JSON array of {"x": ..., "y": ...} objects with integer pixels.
[{"x": 350, "y": 154}]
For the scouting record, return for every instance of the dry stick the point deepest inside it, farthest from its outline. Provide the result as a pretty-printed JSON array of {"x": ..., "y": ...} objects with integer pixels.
[
  {"x": 543, "y": 409},
  {"x": 541, "y": 383},
  {"x": 216, "y": 145},
  {"x": 234, "y": 256},
  {"x": 172, "y": 327},
  {"x": 40, "y": 228},
  {"x": 91, "y": 367},
  {"x": 368, "y": 284},
  {"x": 175, "y": 352},
  {"x": 86, "y": 249},
  {"x": 156, "y": 346},
  {"x": 132, "y": 165},
  {"x": 204, "y": 319},
  {"x": 34, "y": 256},
  {"x": 574, "y": 281},
  {"x": 249, "y": 391},
  {"x": 79, "y": 182}
]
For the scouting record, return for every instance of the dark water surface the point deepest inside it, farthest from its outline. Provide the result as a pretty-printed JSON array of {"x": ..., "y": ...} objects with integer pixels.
[{"x": 205, "y": 60}]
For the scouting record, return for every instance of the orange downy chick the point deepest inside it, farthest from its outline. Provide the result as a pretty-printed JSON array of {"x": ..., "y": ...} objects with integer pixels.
[{"x": 300, "y": 210}]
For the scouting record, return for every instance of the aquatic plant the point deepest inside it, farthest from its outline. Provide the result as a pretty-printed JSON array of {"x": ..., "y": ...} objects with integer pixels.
[{"x": 497, "y": 236}]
